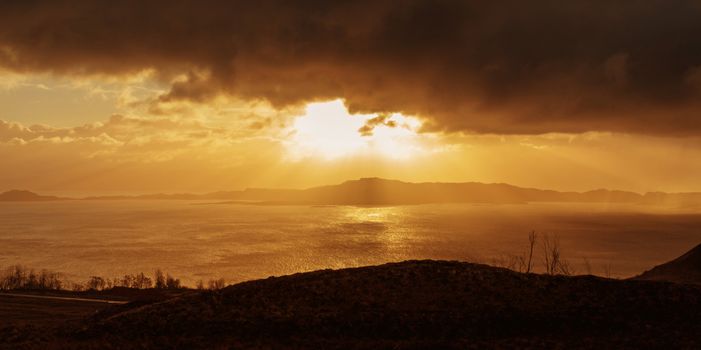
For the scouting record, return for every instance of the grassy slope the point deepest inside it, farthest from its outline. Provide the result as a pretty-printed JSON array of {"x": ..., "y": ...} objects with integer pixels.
[
  {"x": 33, "y": 321},
  {"x": 684, "y": 269},
  {"x": 411, "y": 304}
]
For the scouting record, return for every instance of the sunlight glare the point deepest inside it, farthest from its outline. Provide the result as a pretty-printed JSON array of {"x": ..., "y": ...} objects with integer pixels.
[{"x": 327, "y": 130}]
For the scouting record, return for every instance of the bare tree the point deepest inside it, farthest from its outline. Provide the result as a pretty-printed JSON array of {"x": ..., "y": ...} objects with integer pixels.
[
  {"x": 19, "y": 277},
  {"x": 552, "y": 259},
  {"x": 217, "y": 284},
  {"x": 96, "y": 283},
  {"x": 15, "y": 277},
  {"x": 127, "y": 281},
  {"x": 50, "y": 280},
  {"x": 32, "y": 280},
  {"x": 521, "y": 262},
  {"x": 141, "y": 281},
  {"x": 172, "y": 282},
  {"x": 160, "y": 279},
  {"x": 532, "y": 238}
]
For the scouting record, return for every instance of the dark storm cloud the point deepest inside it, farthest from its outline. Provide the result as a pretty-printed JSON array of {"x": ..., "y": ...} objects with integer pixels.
[{"x": 485, "y": 66}]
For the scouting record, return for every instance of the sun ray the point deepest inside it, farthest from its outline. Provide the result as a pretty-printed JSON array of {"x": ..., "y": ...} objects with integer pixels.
[{"x": 328, "y": 131}]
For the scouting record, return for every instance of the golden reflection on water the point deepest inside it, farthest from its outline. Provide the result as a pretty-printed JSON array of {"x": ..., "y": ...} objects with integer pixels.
[
  {"x": 383, "y": 225},
  {"x": 241, "y": 242},
  {"x": 378, "y": 214}
]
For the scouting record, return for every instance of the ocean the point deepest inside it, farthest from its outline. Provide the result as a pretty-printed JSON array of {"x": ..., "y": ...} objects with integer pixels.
[{"x": 201, "y": 240}]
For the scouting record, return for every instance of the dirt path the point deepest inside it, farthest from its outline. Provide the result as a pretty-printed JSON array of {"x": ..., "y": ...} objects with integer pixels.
[{"x": 104, "y": 301}]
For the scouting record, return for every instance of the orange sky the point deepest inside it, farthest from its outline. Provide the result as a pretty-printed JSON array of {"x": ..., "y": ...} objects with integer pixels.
[
  {"x": 215, "y": 102},
  {"x": 127, "y": 147}
]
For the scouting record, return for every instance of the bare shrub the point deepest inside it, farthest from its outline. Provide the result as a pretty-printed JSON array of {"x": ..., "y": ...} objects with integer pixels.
[
  {"x": 532, "y": 238},
  {"x": 160, "y": 279},
  {"x": 140, "y": 281},
  {"x": 49, "y": 280},
  {"x": 19, "y": 277},
  {"x": 216, "y": 284},
  {"x": 172, "y": 282},
  {"x": 552, "y": 258},
  {"x": 13, "y": 277},
  {"x": 96, "y": 283},
  {"x": 127, "y": 281}
]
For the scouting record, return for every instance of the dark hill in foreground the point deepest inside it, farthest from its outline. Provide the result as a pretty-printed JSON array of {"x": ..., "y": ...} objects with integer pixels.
[
  {"x": 413, "y": 304},
  {"x": 684, "y": 269}
]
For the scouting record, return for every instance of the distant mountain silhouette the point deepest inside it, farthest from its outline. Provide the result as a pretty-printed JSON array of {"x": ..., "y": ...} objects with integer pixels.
[
  {"x": 25, "y": 196},
  {"x": 377, "y": 191},
  {"x": 381, "y": 191},
  {"x": 684, "y": 269},
  {"x": 676, "y": 199}
]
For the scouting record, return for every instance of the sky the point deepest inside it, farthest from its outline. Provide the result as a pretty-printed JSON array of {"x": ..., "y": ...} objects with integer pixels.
[{"x": 101, "y": 97}]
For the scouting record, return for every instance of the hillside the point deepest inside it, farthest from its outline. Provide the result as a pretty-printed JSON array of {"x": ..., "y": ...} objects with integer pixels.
[
  {"x": 684, "y": 269},
  {"x": 413, "y": 304}
]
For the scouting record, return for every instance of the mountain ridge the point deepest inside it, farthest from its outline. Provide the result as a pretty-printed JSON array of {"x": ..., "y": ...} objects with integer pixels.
[
  {"x": 26, "y": 196},
  {"x": 379, "y": 191}
]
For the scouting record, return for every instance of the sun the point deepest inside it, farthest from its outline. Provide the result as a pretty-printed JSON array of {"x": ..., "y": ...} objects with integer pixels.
[{"x": 328, "y": 131}]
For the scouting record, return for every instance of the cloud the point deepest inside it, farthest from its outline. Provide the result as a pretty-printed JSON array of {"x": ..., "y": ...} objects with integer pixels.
[
  {"x": 384, "y": 119},
  {"x": 120, "y": 138},
  {"x": 143, "y": 155},
  {"x": 488, "y": 67},
  {"x": 134, "y": 153},
  {"x": 10, "y": 130}
]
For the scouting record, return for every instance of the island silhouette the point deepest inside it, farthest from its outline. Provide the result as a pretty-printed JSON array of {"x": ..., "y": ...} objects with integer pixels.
[{"x": 378, "y": 191}]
